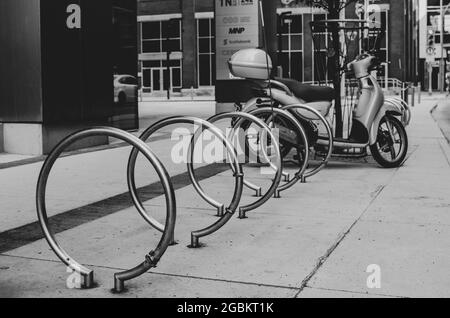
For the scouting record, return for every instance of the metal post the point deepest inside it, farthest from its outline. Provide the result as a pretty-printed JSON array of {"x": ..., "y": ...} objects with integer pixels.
[
  {"x": 430, "y": 78},
  {"x": 386, "y": 76},
  {"x": 169, "y": 80},
  {"x": 442, "y": 63},
  {"x": 420, "y": 93},
  {"x": 366, "y": 10},
  {"x": 168, "y": 71},
  {"x": 443, "y": 70}
]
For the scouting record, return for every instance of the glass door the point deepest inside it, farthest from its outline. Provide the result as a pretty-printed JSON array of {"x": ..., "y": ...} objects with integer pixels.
[{"x": 156, "y": 79}]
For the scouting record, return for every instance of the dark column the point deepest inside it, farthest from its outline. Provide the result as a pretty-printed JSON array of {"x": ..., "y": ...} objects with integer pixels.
[
  {"x": 59, "y": 65},
  {"x": 308, "y": 48},
  {"x": 271, "y": 20},
  {"x": 189, "y": 44},
  {"x": 20, "y": 61},
  {"x": 397, "y": 40}
]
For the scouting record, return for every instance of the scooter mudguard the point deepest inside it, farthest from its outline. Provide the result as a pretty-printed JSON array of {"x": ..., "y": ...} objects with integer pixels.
[
  {"x": 253, "y": 104},
  {"x": 285, "y": 100},
  {"x": 387, "y": 109}
]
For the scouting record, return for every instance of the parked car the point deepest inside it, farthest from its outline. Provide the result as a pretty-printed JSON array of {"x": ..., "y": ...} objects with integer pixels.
[{"x": 125, "y": 89}]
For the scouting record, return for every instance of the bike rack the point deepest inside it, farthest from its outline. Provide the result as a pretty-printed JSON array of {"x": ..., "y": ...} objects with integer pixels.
[
  {"x": 286, "y": 115},
  {"x": 320, "y": 117},
  {"x": 238, "y": 175},
  {"x": 152, "y": 259},
  {"x": 277, "y": 166},
  {"x": 404, "y": 107}
]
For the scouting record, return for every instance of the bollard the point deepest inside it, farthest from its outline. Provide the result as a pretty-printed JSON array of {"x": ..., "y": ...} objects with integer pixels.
[{"x": 420, "y": 93}]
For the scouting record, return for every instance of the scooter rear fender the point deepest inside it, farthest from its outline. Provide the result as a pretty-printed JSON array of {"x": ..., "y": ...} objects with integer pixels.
[
  {"x": 285, "y": 99},
  {"x": 387, "y": 109}
]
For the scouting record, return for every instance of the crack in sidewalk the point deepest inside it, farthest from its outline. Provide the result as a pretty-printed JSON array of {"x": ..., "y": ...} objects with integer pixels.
[
  {"x": 354, "y": 292},
  {"x": 228, "y": 281},
  {"x": 338, "y": 242}
]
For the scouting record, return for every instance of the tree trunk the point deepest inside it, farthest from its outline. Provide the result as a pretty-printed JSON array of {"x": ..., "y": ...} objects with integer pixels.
[{"x": 271, "y": 34}]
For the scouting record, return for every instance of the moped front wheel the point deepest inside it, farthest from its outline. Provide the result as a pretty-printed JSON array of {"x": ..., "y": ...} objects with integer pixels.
[{"x": 391, "y": 147}]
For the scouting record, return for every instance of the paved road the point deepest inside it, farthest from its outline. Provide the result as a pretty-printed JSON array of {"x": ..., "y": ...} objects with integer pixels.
[{"x": 317, "y": 241}]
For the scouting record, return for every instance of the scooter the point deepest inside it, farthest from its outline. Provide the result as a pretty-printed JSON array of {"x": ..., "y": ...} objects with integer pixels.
[{"x": 375, "y": 124}]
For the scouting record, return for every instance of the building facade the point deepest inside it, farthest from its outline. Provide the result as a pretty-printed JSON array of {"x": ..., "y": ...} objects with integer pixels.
[
  {"x": 59, "y": 59},
  {"x": 434, "y": 45},
  {"x": 184, "y": 30}
]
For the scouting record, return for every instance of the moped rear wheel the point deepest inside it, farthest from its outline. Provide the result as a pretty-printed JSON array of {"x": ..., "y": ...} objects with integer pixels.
[{"x": 391, "y": 147}]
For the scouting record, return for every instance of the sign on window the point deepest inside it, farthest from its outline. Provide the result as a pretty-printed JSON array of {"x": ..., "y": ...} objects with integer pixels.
[{"x": 237, "y": 28}]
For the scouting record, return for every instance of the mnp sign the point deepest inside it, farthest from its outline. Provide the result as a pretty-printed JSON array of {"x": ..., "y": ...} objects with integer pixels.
[{"x": 237, "y": 28}]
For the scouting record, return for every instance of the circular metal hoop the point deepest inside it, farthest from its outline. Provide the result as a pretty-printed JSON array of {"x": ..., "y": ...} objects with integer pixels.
[
  {"x": 398, "y": 102},
  {"x": 153, "y": 257},
  {"x": 324, "y": 163},
  {"x": 300, "y": 131},
  {"x": 277, "y": 166},
  {"x": 238, "y": 175}
]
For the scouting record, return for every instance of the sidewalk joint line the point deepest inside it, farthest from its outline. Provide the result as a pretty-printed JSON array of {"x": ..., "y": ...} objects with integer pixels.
[
  {"x": 161, "y": 274},
  {"x": 330, "y": 251},
  {"x": 30, "y": 161},
  {"x": 445, "y": 154},
  {"x": 226, "y": 281},
  {"x": 354, "y": 292}
]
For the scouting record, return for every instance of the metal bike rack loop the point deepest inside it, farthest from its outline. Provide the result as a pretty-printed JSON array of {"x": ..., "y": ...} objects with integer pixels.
[
  {"x": 300, "y": 131},
  {"x": 238, "y": 175},
  {"x": 403, "y": 107},
  {"x": 320, "y": 117},
  {"x": 152, "y": 259},
  {"x": 277, "y": 166}
]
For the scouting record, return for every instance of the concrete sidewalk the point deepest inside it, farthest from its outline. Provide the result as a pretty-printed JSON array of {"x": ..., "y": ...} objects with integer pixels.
[
  {"x": 442, "y": 116},
  {"x": 317, "y": 241}
]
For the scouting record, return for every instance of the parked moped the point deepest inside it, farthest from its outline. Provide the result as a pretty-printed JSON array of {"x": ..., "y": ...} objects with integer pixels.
[{"x": 375, "y": 124}]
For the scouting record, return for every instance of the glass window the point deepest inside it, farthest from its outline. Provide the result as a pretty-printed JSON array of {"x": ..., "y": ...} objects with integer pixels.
[
  {"x": 154, "y": 36},
  {"x": 131, "y": 81},
  {"x": 206, "y": 45},
  {"x": 176, "y": 74},
  {"x": 146, "y": 64},
  {"x": 292, "y": 47},
  {"x": 171, "y": 29},
  {"x": 146, "y": 80},
  {"x": 321, "y": 73},
  {"x": 161, "y": 37},
  {"x": 205, "y": 70},
  {"x": 383, "y": 38},
  {"x": 171, "y": 46},
  {"x": 297, "y": 24},
  {"x": 204, "y": 27},
  {"x": 151, "y": 46},
  {"x": 151, "y": 30}
]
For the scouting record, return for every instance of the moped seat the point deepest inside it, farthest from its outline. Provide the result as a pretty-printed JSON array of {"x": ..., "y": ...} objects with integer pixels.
[{"x": 308, "y": 93}]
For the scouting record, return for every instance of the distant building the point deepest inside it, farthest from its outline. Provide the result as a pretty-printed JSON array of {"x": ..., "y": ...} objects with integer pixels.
[
  {"x": 429, "y": 21},
  {"x": 191, "y": 41}
]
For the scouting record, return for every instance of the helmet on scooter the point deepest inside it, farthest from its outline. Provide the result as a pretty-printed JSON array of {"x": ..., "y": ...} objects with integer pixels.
[{"x": 251, "y": 64}]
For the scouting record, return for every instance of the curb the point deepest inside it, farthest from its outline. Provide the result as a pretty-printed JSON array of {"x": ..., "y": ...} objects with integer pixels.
[{"x": 432, "y": 112}]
